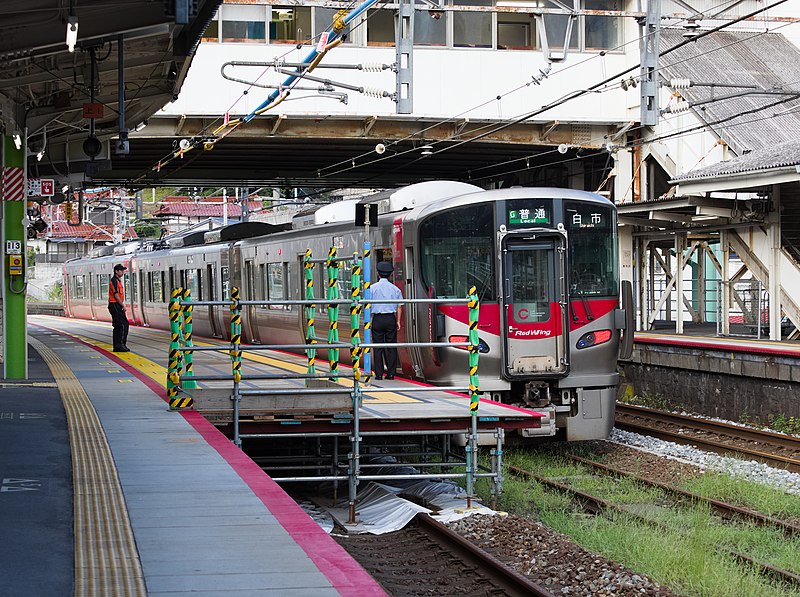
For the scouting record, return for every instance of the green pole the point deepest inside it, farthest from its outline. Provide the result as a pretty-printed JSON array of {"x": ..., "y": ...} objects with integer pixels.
[
  {"x": 15, "y": 342},
  {"x": 333, "y": 312}
]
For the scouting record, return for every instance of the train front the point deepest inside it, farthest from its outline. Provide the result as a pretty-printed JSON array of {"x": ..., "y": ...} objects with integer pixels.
[{"x": 545, "y": 266}]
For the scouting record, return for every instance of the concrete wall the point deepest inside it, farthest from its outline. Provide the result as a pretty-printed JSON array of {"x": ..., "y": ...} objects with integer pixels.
[{"x": 734, "y": 386}]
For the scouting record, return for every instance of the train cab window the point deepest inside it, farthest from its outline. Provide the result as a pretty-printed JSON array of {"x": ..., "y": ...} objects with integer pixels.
[
  {"x": 276, "y": 284},
  {"x": 457, "y": 248},
  {"x": 592, "y": 249},
  {"x": 531, "y": 283}
]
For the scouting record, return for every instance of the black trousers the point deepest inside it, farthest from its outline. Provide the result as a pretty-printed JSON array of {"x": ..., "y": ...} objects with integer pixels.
[
  {"x": 120, "y": 322},
  {"x": 384, "y": 330}
]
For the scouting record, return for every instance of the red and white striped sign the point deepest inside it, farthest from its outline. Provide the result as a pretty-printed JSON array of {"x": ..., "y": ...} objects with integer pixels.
[{"x": 13, "y": 184}]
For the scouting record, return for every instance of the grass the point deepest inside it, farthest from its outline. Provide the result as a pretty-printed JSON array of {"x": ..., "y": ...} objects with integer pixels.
[
  {"x": 762, "y": 498},
  {"x": 689, "y": 557}
]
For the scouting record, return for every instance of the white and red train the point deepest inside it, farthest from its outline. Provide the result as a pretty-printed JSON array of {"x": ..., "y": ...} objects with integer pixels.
[{"x": 544, "y": 262}]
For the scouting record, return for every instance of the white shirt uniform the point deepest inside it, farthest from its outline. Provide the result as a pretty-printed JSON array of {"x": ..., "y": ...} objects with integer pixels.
[{"x": 383, "y": 290}]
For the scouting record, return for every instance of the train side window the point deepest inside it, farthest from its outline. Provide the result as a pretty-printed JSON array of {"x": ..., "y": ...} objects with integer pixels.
[
  {"x": 126, "y": 284},
  {"x": 276, "y": 285},
  {"x": 101, "y": 287},
  {"x": 156, "y": 287},
  {"x": 192, "y": 281},
  {"x": 80, "y": 287},
  {"x": 262, "y": 278},
  {"x": 210, "y": 282},
  {"x": 226, "y": 283}
]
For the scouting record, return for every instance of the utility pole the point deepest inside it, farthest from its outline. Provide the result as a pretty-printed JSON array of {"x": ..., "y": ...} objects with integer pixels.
[{"x": 650, "y": 39}]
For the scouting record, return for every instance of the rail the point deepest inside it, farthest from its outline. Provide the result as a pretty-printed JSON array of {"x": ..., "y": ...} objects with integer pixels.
[{"x": 181, "y": 377}]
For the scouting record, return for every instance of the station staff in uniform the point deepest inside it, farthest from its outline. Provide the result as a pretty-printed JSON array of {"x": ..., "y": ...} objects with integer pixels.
[
  {"x": 116, "y": 306},
  {"x": 384, "y": 321}
]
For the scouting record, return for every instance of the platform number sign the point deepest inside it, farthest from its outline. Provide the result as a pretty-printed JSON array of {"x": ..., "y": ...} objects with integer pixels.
[{"x": 13, "y": 246}]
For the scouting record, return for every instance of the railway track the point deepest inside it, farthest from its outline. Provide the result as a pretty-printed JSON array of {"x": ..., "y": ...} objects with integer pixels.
[
  {"x": 775, "y": 449},
  {"x": 597, "y": 505},
  {"x": 430, "y": 559}
]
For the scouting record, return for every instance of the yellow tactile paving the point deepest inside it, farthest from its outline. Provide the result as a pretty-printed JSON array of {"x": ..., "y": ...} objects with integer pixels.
[
  {"x": 106, "y": 558},
  {"x": 371, "y": 394}
]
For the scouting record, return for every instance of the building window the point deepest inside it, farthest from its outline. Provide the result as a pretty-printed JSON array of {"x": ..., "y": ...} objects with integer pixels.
[
  {"x": 323, "y": 21},
  {"x": 380, "y": 28},
  {"x": 516, "y": 31},
  {"x": 430, "y": 28},
  {"x": 472, "y": 29},
  {"x": 241, "y": 23},
  {"x": 290, "y": 25},
  {"x": 556, "y": 30},
  {"x": 212, "y": 31},
  {"x": 602, "y": 33}
]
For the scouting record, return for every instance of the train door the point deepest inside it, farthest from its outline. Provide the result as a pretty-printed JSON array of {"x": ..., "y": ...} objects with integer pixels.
[
  {"x": 533, "y": 299},
  {"x": 211, "y": 293},
  {"x": 250, "y": 294}
]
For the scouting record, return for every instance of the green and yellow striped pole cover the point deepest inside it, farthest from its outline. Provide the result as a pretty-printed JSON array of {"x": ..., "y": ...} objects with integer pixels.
[
  {"x": 236, "y": 335},
  {"x": 188, "y": 384},
  {"x": 474, "y": 385},
  {"x": 311, "y": 353},
  {"x": 333, "y": 312},
  {"x": 355, "y": 316}
]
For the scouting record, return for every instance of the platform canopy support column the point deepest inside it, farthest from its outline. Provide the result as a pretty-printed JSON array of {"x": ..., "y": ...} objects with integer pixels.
[{"x": 15, "y": 345}]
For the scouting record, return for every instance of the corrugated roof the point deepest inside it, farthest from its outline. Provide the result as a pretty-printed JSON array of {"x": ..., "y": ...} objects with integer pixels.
[
  {"x": 61, "y": 229},
  {"x": 782, "y": 155},
  {"x": 209, "y": 207},
  {"x": 766, "y": 60}
]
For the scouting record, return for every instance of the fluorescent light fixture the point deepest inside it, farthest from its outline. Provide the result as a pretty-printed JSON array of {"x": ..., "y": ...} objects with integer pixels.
[
  {"x": 72, "y": 33},
  {"x": 39, "y": 156},
  {"x": 426, "y": 150},
  {"x": 17, "y": 141}
]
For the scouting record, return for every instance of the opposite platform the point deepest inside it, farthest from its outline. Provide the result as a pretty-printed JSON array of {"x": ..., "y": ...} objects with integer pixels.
[{"x": 164, "y": 503}]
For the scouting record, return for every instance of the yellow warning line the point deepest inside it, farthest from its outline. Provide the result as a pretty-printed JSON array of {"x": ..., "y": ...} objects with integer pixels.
[
  {"x": 159, "y": 373},
  {"x": 106, "y": 559}
]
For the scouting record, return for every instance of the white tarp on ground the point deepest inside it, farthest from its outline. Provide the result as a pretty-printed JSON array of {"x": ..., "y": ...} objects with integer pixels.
[{"x": 383, "y": 508}]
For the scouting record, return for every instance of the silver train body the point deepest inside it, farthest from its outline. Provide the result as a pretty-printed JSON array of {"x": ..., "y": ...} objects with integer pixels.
[{"x": 544, "y": 262}]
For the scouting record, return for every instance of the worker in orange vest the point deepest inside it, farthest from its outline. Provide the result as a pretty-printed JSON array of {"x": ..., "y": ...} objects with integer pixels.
[{"x": 116, "y": 306}]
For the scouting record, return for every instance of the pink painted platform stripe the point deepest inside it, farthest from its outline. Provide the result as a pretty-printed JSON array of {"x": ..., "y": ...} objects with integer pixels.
[{"x": 344, "y": 573}]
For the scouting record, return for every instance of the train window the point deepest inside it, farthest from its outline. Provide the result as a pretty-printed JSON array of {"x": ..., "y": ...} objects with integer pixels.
[
  {"x": 276, "y": 284},
  {"x": 101, "y": 283},
  {"x": 531, "y": 283},
  {"x": 126, "y": 284},
  {"x": 194, "y": 282},
  {"x": 156, "y": 286},
  {"x": 80, "y": 287},
  {"x": 457, "y": 248},
  {"x": 226, "y": 283},
  {"x": 592, "y": 249}
]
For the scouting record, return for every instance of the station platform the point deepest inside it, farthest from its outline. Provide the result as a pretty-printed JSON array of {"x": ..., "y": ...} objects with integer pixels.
[{"x": 104, "y": 491}]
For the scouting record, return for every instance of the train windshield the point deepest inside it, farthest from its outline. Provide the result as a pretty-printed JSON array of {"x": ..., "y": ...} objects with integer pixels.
[
  {"x": 456, "y": 250},
  {"x": 592, "y": 249}
]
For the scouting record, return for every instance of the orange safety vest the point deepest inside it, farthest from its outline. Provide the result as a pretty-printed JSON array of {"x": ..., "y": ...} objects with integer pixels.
[{"x": 115, "y": 286}]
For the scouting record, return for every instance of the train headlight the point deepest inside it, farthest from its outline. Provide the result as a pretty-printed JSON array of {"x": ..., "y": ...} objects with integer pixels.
[
  {"x": 594, "y": 338},
  {"x": 483, "y": 348}
]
